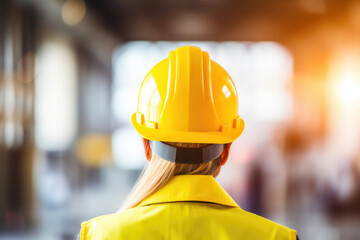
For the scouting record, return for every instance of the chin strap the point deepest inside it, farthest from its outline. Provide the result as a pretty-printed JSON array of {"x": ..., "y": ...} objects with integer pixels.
[{"x": 186, "y": 155}]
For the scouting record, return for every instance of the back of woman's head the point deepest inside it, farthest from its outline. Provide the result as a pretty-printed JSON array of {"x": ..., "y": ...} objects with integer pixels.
[
  {"x": 158, "y": 172},
  {"x": 188, "y": 109}
]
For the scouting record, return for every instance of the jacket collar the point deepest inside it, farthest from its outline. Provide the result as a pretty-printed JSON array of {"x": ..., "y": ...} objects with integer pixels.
[{"x": 183, "y": 188}]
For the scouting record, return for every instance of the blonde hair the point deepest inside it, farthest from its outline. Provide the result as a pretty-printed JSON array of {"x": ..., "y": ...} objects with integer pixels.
[{"x": 158, "y": 172}]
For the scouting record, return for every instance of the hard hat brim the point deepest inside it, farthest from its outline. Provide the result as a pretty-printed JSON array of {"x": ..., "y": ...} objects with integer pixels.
[{"x": 218, "y": 137}]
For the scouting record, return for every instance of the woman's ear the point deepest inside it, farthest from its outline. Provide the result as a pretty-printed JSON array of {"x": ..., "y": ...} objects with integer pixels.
[
  {"x": 225, "y": 153},
  {"x": 147, "y": 149}
]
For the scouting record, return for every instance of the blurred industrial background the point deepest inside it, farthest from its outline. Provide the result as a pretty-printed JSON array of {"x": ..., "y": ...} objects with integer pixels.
[{"x": 70, "y": 71}]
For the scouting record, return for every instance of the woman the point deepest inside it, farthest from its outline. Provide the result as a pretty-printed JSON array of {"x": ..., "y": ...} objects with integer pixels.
[{"x": 188, "y": 117}]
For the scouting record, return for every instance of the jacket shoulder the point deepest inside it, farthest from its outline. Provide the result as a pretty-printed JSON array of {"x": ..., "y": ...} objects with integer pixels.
[
  {"x": 116, "y": 225},
  {"x": 260, "y": 224},
  {"x": 91, "y": 229}
]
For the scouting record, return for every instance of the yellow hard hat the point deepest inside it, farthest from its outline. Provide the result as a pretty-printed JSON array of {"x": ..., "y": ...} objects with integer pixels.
[{"x": 188, "y": 98}]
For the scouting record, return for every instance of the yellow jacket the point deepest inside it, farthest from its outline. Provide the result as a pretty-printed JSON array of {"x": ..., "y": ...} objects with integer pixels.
[{"x": 188, "y": 207}]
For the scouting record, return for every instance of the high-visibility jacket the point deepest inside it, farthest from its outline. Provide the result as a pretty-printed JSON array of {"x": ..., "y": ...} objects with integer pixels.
[{"x": 188, "y": 207}]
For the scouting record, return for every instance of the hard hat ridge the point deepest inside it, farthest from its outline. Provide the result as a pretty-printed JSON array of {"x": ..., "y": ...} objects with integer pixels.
[{"x": 189, "y": 90}]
